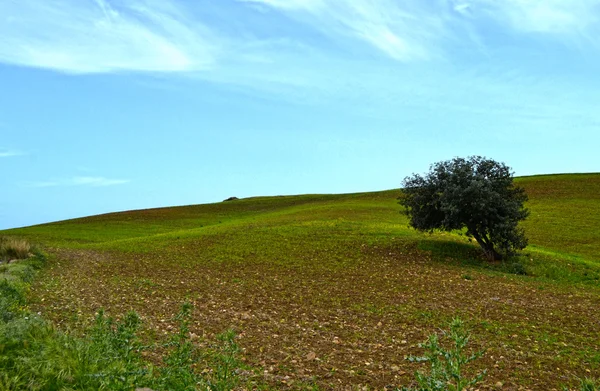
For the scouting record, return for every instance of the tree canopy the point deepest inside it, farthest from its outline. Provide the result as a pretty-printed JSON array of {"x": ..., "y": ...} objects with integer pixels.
[{"x": 475, "y": 193}]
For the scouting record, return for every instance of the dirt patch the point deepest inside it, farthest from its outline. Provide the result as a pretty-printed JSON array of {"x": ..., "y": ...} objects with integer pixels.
[{"x": 340, "y": 327}]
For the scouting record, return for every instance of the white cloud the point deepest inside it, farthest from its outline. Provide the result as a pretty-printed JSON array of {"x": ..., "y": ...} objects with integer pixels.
[
  {"x": 552, "y": 16},
  {"x": 99, "y": 36},
  {"x": 405, "y": 31},
  {"x": 309, "y": 5},
  {"x": 462, "y": 7},
  {"x": 93, "y": 36},
  {"x": 80, "y": 181},
  {"x": 97, "y": 181},
  {"x": 42, "y": 184},
  {"x": 420, "y": 30},
  {"x": 10, "y": 153},
  {"x": 559, "y": 17}
]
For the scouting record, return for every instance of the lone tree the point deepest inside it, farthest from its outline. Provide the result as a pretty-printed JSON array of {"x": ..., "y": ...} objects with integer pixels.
[{"x": 473, "y": 193}]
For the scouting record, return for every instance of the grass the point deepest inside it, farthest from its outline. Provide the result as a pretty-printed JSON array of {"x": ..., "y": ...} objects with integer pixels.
[
  {"x": 335, "y": 290},
  {"x": 565, "y": 214},
  {"x": 12, "y": 248}
]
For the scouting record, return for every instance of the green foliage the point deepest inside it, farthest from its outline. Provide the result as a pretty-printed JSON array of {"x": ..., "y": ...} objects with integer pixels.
[
  {"x": 446, "y": 363},
  {"x": 476, "y": 194},
  {"x": 177, "y": 373},
  {"x": 224, "y": 361},
  {"x": 516, "y": 267},
  {"x": 36, "y": 356},
  {"x": 180, "y": 370},
  {"x": 116, "y": 347},
  {"x": 11, "y": 298},
  {"x": 588, "y": 384}
]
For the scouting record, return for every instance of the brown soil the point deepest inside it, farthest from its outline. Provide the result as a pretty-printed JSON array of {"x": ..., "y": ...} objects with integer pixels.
[{"x": 341, "y": 328}]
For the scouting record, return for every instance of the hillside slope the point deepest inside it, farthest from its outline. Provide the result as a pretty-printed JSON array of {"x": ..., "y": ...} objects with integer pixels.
[
  {"x": 336, "y": 290},
  {"x": 565, "y": 213},
  {"x": 565, "y": 216}
]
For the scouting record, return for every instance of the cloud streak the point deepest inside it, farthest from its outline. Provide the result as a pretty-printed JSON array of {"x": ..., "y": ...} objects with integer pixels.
[
  {"x": 405, "y": 31},
  {"x": 80, "y": 181},
  {"x": 85, "y": 36},
  {"x": 103, "y": 36},
  {"x": 561, "y": 18},
  {"x": 10, "y": 153},
  {"x": 414, "y": 30}
]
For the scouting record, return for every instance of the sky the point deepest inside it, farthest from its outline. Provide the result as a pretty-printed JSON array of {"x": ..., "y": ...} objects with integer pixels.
[{"x": 110, "y": 105}]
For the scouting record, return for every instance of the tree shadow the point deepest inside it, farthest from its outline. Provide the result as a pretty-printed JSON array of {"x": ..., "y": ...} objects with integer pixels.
[{"x": 468, "y": 254}]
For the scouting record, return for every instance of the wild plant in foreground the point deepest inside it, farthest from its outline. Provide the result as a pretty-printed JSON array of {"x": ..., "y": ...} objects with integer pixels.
[
  {"x": 180, "y": 370},
  {"x": 36, "y": 356},
  {"x": 589, "y": 384},
  {"x": 225, "y": 363},
  {"x": 446, "y": 364}
]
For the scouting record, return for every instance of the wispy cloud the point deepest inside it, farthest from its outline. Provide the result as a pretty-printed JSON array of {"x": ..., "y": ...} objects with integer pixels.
[
  {"x": 97, "y": 181},
  {"x": 406, "y": 31},
  {"x": 100, "y": 36},
  {"x": 10, "y": 153},
  {"x": 421, "y": 30},
  {"x": 79, "y": 181},
  {"x": 563, "y": 18},
  {"x": 91, "y": 36}
]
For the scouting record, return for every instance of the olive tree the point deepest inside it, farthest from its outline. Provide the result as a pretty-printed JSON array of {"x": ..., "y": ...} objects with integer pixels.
[{"x": 476, "y": 194}]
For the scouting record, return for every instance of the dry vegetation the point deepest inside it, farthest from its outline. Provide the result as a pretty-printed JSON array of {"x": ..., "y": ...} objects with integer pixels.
[{"x": 13, "y": 248}]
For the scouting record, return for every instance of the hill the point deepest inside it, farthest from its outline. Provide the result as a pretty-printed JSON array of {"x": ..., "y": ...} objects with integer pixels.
[{"x": 335, "y": 289}]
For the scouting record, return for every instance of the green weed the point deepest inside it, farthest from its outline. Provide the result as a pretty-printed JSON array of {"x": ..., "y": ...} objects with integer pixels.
[
  {"x": 180, "y": 370},
  {"x": 446, "y": 362},
  {"x": 586, "y": 384},
  {"x": 36, "y": 356},
  {"x": 589, "y": 384}
]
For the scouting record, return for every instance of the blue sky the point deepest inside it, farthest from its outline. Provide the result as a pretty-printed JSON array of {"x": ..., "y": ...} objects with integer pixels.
[{"x": 109, "y": 105}]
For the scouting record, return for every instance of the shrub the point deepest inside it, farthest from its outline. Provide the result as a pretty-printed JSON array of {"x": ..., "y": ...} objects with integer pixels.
[
  {"x": 515, "y": 267},
  {"x": 14, "y": 248}
]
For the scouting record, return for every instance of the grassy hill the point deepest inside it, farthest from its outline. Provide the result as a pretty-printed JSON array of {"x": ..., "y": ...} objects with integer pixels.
[{"x": 335, "y": 290}]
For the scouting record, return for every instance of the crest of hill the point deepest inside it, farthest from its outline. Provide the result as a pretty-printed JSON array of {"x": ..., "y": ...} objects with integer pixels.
[{"x": 565, "y": 216}]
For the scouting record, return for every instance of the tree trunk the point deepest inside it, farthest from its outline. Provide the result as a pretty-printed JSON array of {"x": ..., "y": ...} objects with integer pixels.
[
  {"x": 488, "y": 247},
  {"x": 492, "y": 254}
]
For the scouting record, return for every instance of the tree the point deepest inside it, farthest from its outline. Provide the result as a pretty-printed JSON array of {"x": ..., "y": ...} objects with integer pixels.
[{"x": 475, "y": 193}]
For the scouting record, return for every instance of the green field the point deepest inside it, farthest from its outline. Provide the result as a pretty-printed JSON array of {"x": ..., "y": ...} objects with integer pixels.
[{"x": 336, "y": 290}]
